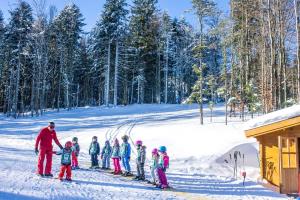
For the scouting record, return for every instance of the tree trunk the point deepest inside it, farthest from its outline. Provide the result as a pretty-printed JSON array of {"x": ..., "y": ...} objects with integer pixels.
[
  {"x": 116, "y": 74},
  {"x": 166, "y": 71},
  {"x": 107, "y": 76},
  {"x": 298, "y": 49},
  {"x": 15, "y": 102}
]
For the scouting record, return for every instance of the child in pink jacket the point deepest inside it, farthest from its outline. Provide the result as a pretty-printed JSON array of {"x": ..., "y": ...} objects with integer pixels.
[{"x": 163, "y": 164}]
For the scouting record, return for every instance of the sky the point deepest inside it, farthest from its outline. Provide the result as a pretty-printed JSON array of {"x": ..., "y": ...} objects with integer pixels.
[{"x": 91, "y": 9}]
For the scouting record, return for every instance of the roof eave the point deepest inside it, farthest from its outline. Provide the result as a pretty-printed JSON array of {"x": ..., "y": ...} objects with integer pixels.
[{"x": 273, "y": 127}]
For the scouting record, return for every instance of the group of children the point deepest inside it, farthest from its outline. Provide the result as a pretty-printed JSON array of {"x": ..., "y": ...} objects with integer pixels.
[{"x": 158, "y": 166}]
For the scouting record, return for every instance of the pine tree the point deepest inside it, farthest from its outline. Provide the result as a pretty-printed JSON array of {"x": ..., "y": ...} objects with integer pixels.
[
  {"x": 143, "y": 32},
  {"x": 2, "y": 56},
  {"x": 18, "y": 40},
  {"x": 203, "y": 9},
  {"x": 68, "y": 26},
  {"x": 108, "y": 35}
]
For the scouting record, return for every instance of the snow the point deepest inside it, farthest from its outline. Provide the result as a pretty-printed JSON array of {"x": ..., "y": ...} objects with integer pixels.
[
  {"x": 273, "y": 117},
  {"x": 197, "y": 167}
]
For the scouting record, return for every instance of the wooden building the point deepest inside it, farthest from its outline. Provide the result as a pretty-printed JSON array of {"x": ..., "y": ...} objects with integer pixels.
[{"x": 279, "y": 138}]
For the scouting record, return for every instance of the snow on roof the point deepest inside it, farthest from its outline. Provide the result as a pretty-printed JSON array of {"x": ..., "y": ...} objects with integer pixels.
[{"x": 270, "y": 118}]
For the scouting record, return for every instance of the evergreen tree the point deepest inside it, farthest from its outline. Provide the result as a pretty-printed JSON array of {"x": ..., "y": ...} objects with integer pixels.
[
  {"x": 203, "y": 9},
  {"x": 109, "y": 35},
  {"x": 18, "y": 53},
  {"x": 68, "y": 26},
  {"x": 143, "y": 32},
  {"x": 2, "y": 32}
]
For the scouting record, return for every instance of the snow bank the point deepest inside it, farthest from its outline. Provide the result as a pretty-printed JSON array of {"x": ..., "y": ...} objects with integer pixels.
[
  {"x": 270, "y": 118},
  {"x": 250, "y": 152}
]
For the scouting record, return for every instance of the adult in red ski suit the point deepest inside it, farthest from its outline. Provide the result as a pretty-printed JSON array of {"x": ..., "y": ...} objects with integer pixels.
[{"x": 44, "y": 141}]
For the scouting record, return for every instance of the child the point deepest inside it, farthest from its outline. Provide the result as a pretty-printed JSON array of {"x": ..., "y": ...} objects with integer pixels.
[
  {"x": 65, "y": 161},
  {"x": 163, "y": 164},
  {"x": 105, "y": 155},
  {"x": 125, "y": 155},
  {"x": 116, "y": 157},
  {"x": 94, "y": 151},
  {"x": 75, "y": 153},
  {"x": 140, "y": 160},
  {"x": 153, "y": 166}
]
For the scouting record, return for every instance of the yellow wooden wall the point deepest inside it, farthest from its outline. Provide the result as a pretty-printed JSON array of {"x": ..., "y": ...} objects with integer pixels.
[
  {"x": 270, "y": 154},
  {"x": 270, "y": 158}
]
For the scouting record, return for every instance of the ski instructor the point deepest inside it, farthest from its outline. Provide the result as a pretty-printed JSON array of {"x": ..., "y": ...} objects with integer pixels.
[{"x": 44, "y": 140}]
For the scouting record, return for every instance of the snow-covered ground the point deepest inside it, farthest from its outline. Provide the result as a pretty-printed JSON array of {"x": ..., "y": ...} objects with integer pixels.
[{"x": 200, "y": 166}]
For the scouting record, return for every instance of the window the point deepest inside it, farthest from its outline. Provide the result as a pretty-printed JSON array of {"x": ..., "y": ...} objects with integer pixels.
[{"x": 289, "y": 153}]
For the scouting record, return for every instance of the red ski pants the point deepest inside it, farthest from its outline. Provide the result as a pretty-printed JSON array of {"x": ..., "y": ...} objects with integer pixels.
[
  {"x": 48, "y": 154},
  {"x": 74, "y": 160},
  {"x": 117, "y": 165},
  {"x": 67, "y": 169}
]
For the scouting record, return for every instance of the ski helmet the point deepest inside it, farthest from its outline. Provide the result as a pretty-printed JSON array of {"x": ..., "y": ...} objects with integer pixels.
[
  {"x": 139, "y": 143},
  {"x": 75, "y": 139},
  {"x": 155, "y": 151},
  {"x": 51, "y": 125},
  {"x": 163, "y": 149},
  {"x": 68, "y": 144},
  {"x": 125, "y": 137},
  {"x": 107, "y": 142}
]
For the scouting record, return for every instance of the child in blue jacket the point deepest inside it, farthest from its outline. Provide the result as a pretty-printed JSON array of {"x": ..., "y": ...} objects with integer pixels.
[
  {"x": 94, "y": 151},
  {"x": 106, "y": 155},
  {"x": 125, "y": 156}
]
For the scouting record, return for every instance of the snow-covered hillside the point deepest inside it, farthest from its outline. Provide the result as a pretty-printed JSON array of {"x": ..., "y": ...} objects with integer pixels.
[{"x": 200, "y": 166}]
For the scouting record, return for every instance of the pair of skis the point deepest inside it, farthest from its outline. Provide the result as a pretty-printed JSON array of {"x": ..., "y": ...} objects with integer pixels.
[{"x": 236, "y": 156}]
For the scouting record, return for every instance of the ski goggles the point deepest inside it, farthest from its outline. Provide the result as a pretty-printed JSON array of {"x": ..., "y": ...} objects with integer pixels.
[{"x": 52, "y": 127}]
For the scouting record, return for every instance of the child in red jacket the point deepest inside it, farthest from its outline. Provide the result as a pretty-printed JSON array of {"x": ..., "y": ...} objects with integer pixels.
[{"x": 66, "y": 154}]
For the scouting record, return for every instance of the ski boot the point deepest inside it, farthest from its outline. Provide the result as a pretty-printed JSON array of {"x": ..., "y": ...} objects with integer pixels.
[
  {"x": 48, "y": 175},
  {"x": 68, "y": 179}
]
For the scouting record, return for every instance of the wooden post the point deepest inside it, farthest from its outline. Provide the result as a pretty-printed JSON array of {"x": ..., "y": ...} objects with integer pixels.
[{"x": 280, "y": 161}]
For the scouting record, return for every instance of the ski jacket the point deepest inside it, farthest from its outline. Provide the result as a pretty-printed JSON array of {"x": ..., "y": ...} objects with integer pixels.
[
  {"x": 154, "y": 162},
  {"x": 116, "y": 152},
  {"x": 164, "y": 161},
  {"x": 141, "y": 155},
  {"x": 65, "y": 156},
  {"x": 125, "y": 150},
  {"x": 94, "y": 148},
  {"x": 44, "y": 139},
  {"x": 76, "y": 149},
  {"x": 106, "y": 151}
]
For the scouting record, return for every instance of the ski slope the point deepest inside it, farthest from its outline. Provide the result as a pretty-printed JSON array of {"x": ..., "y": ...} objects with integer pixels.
[{"x": 197, "y": 168}]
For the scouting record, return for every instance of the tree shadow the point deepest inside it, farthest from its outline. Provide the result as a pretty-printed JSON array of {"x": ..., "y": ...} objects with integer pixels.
[{"x": 12, "y": 196}]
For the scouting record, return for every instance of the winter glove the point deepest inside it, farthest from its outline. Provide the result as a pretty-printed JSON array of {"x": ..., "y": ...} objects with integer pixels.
[
  {"x": 129, "y": 158},
  {"x": 36, "y": 151},
  {"x": 61, "y": 148},
  {"x": 101, "y": 157}
]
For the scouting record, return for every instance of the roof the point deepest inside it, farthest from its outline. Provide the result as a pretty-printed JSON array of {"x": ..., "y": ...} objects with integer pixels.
[{"x": 274, "y": 121}]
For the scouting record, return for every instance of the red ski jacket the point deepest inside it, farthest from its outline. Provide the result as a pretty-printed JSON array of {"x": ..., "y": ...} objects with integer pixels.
[{"x": 44, "y": 139}]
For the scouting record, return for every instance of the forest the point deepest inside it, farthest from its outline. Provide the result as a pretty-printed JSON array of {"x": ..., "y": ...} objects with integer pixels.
[{"x": 247, "y": 58}]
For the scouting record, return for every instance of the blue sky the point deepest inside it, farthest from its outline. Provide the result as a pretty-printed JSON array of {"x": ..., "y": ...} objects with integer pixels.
[{"x": 91, "y": 9}]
